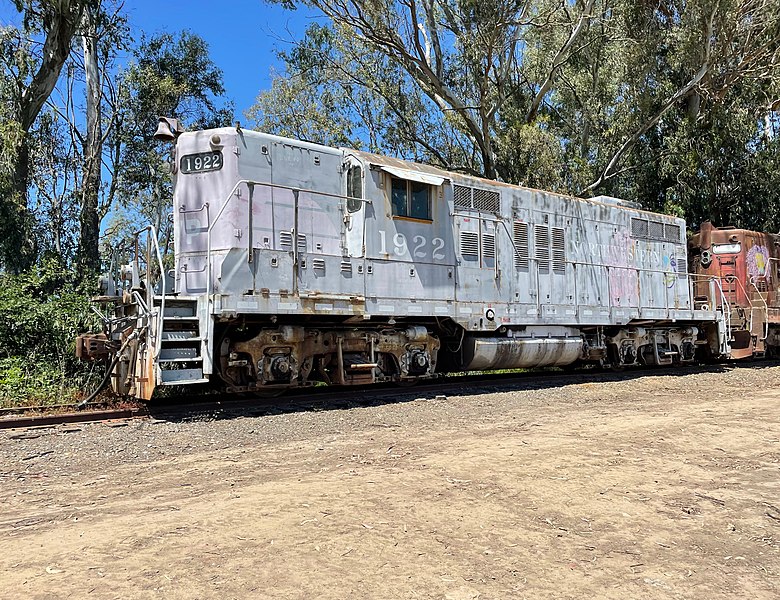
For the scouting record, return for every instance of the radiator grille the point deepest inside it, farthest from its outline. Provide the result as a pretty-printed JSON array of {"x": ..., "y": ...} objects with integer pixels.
[
  {"x": 638, "y": 228},
  {"x": 672, "y": 233},
  {"x": 487, "y": 200},
  {"x": 655, "y": 230},
  {"x": 462, "y": 196},
  {"x": 477, "y": 199}
]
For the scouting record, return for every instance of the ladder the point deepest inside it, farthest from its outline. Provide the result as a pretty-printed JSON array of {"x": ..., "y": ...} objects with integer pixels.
[
  {"x": 179, "y": 358},
  {"x": 759, "y": 326}
]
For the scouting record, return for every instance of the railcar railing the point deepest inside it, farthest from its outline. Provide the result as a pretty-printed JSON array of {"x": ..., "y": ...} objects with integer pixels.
[
  {"x": 715, "y": 293},
  {"x": 148, "y": 306},
  {"x": 766, "y": 311},
  {"x": 733, "y": 278},
  {"x": 578, "y": 263},
  {"x": 250, "y": 183}
]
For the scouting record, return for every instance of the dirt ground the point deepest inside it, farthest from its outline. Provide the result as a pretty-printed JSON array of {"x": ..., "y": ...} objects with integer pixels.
[{"x": 661, "y": 486}]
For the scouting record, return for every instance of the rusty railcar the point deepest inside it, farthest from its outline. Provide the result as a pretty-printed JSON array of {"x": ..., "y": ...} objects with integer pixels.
[
  {"x": 744, "y": 263},
  {"x": 296, "y": 263}
]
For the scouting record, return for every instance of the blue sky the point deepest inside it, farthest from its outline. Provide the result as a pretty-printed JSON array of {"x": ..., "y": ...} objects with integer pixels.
[{"x": 243, "y": 35}]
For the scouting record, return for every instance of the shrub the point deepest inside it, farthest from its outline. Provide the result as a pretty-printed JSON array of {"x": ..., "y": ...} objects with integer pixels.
[{"x": 41, "y": 313}]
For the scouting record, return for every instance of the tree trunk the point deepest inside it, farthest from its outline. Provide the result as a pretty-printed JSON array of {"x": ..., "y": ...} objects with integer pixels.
[
  {"x": 17, "y": 243},
  {"x": 88, "y": 251},
  {"x": 60, "y": 26}
]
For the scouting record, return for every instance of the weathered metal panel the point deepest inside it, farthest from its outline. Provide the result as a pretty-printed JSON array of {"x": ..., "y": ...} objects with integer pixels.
[{"x": 582, "y": 262}]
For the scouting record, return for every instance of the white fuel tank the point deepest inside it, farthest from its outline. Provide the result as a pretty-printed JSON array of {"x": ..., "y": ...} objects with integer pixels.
[{"x": 534, "y": 347}]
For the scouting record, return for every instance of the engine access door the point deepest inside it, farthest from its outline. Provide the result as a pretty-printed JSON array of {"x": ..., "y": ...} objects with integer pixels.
[{"x": 354, "y": 208}]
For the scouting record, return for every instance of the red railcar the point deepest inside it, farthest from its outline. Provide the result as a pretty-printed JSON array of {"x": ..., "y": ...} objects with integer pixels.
[{"x": 737, "y": 270}]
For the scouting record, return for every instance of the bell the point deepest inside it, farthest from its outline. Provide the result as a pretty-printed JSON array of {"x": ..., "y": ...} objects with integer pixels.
[{"x": 168, "y": 129}]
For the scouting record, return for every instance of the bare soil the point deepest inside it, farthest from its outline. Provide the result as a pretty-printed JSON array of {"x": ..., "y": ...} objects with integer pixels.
[{"x": 660, "y": 486}]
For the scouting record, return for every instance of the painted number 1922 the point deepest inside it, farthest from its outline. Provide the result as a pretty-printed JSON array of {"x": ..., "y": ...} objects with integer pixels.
[{"x": 421, "y": 247}]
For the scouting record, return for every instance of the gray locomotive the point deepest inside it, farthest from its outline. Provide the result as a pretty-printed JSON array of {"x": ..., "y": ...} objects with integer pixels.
[{"x": 297, "y": 263}]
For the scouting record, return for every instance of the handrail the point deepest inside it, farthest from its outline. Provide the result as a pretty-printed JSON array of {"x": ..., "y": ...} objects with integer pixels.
[
  {"x": 161, "y": 313},
  {"x": 723, "y": 304},
  {"x": 251, "y": 182},
  {"x": 744, "y": 291},
  {"x": 766, "y": 311},
  {"x": 212, "y": 223}
]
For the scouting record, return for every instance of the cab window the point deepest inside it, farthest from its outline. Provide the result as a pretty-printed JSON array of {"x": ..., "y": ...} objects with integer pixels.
[
  {"x": 411, "y": 199},
  {"x": 354, "y": 188}
]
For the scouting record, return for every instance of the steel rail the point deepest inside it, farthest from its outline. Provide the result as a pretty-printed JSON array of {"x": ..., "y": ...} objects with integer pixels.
[
  {"x": 334, "y": 398},
  {"x": 82, "y": 416}
]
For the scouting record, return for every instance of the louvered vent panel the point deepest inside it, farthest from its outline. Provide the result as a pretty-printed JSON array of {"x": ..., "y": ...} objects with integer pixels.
[
  {"x": 488, "y": 246},
  {"x": 285, "y": 240},
  {"x": 639, "y": 228},
  {"x": 462, "y": 196},
  {"x": 655, "y": 230},
  {"x": 487, "y": 201},
  {"x": 672, "y": 233},
  {"x": 682, "y": 265},
  {"x": 469, "y": 245},
  {"x": 558, "y": 250},
  {"x": 346, "y": 266},
  {"x": 521, "y": 245},
  {"x": 302, "y": 242},
  {"x": 542, "y": 246},
  {"x": 318, "y": 263}
]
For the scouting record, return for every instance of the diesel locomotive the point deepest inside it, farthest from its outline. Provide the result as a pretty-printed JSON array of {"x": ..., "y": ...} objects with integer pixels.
[{"x": 296, "y": 263}]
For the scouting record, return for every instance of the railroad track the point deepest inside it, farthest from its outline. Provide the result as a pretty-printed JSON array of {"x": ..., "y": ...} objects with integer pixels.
[{"x": 318, "y": 398}]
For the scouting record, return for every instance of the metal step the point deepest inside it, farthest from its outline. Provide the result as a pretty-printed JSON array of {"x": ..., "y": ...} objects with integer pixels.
[
  {"x": 180, "y": 318},
  {"x": 175, "y": 354},
  {"x": 188, "y": 310},
  {"x": 189, "y": 382},
  {"x": 187, "y": 335},
  {"x": 182, "y": 376},
  {"x": 181, "y": 360},
  {"x": 174, "y": 299},
  {"x": 178, "y": 306}
]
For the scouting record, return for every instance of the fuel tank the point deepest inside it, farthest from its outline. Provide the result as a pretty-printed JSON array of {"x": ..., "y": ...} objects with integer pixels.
[{"x": 532, "y": 347}]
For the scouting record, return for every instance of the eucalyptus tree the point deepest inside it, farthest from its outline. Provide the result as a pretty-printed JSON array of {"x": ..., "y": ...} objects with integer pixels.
[
  {"x": 169, "y": 74},
  {"x": 29, "y": 74},
  {"x": 103, "y": 34},
  {"x": 690, "y": 57},
  {"x": 584, "y": 96},
  {"x": 338, "y": 91}
]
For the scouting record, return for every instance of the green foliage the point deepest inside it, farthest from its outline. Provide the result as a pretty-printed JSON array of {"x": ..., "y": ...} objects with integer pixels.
[
  {"x": 338, "y": 90},
  {"x": 41, "y": 313},
  {"x": 169, "y": 75},
  {"x": 672, "y": 103},
  {"x": 49, "y": 209}
]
